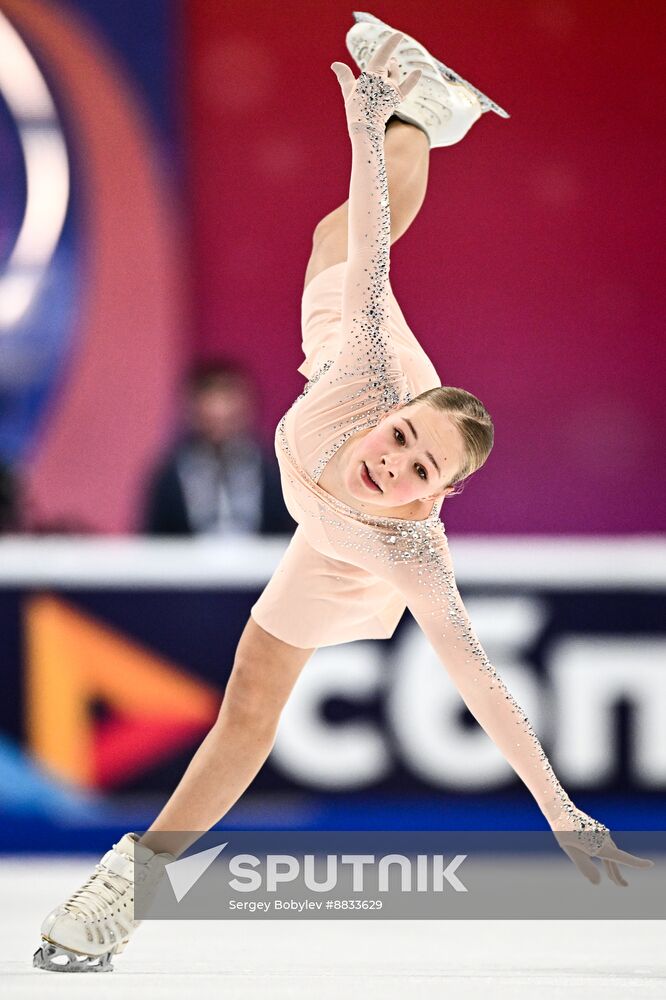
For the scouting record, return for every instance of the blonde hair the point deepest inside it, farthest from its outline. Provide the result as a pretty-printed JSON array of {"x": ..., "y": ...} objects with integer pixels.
[{"x": 472, "y": 420}]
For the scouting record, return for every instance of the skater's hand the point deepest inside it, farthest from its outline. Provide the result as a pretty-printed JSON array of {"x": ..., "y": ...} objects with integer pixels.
[
  {"x": 586, "y": 838},
  {"x": 373, "y": 97}
]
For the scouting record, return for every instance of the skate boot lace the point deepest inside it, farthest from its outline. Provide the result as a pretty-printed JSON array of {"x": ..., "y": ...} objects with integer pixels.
[
  {"x": 98, "y": 895},
  {"x": 100, "y": 906}
]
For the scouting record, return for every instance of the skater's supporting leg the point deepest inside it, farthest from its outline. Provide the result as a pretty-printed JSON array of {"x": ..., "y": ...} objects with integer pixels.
[
  {"x": 407, "y": 159},
  {"x": 98, "y": 919},
  {"x": 264, "y": 673}
]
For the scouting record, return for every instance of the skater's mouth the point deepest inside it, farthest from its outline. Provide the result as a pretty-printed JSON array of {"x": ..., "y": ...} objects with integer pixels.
[{"x": 367, "y": 479}]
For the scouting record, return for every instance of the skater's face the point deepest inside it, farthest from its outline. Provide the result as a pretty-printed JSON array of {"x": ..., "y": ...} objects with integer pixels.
[{"x": 411, "y": 454}]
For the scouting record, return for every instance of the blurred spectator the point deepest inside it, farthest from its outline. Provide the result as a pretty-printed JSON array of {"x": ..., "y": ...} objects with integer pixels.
[
  {"x": 217, "y": 479},
  {"x": 9, "y": 514}
]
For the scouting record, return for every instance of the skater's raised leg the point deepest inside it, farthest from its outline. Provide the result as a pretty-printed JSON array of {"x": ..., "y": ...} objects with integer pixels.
[{"x": 406, "y": 154}]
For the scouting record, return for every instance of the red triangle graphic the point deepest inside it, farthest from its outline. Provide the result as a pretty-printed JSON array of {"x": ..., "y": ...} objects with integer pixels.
[{"x": 124, "y": 746}]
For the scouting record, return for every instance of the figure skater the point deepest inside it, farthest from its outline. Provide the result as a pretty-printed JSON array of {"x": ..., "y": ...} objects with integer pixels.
[{"x": 367, "y": 454}]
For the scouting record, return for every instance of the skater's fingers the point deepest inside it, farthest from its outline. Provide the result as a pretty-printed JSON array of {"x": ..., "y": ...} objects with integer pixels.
[
  {"x": 583, "y": 863},
  {"x": 345, "y": 77},
  {"x": 613, "y": 872},
  {"x": 382, "y": 54},
  {"x": 410, "y": 82},
  {"x": 613, "y": 853}
]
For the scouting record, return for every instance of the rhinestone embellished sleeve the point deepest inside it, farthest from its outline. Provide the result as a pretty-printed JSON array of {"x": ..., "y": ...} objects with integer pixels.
[
  {"x": 415, "y": 557},
  {"x": 431, "y": 593},
  {"x": 364, "y": 378},
  {"x": 365, "y": 293}
]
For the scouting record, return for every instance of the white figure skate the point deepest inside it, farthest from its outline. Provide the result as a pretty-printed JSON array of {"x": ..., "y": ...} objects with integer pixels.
[
  {"x": 443, "y": 104},
  {"x": 97, "y": 920}
]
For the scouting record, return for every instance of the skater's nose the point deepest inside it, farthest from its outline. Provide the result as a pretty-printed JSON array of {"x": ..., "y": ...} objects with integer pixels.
[{"x": 391, "y": 464}]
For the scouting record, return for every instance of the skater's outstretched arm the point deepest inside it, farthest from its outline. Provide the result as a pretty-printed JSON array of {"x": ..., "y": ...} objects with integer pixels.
[
  {"x": 369, "y": 102},
  {"x": 417, "y": 561}
]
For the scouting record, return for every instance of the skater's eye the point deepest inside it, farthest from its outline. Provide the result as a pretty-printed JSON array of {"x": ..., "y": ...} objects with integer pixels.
[{"x": 403, "y": 441}]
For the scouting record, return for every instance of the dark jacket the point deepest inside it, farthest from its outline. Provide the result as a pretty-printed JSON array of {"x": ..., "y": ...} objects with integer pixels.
[{"x": 166, "y": 511}]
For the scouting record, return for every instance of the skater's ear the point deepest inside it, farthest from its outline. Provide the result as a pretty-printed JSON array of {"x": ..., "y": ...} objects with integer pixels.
[{"x": 442, "y": 493}]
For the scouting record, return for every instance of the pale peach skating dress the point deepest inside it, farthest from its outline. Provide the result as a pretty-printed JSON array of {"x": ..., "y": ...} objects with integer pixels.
[
  {"x": 347, "y": 575},
  {"x": 317, "y": 597}
]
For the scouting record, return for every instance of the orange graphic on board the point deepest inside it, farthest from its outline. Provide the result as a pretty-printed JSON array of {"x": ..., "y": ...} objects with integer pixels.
[{"x": 73, "y": 662}]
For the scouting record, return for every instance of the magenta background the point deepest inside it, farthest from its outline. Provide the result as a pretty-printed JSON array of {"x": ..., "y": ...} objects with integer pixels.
[{"x": 533, "y": 275}]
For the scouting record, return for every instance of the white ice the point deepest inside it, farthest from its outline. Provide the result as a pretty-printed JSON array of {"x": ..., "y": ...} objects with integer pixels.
[{"x": 321, "y": 959}]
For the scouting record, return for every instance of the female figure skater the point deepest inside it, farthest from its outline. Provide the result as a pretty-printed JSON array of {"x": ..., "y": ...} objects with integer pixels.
[{"x": 367, "y": 454}]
